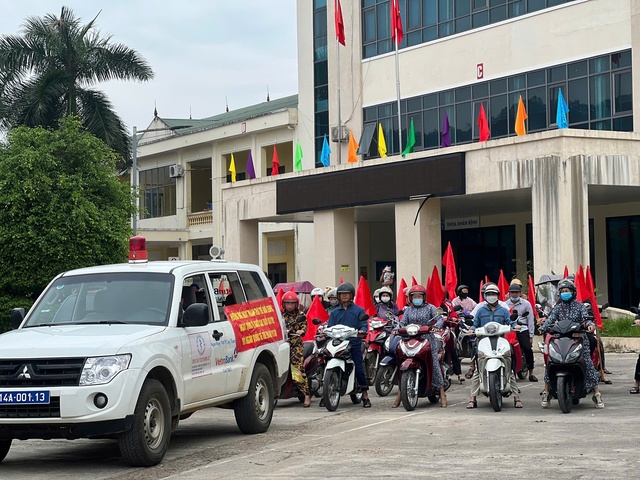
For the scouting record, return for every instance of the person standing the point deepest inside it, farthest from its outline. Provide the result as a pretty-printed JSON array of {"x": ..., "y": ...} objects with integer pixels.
[
  {"x": 526, "y": 320},
  {"x": 296, "y": 324}
]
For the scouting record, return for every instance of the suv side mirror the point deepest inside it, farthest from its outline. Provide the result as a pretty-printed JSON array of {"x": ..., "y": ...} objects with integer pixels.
[
  {"x": 17, "y": 316},
  {"x": 196, "y": 315}
]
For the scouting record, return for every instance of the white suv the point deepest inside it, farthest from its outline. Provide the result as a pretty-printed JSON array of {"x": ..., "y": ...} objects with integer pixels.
[{"x": 128, "y": 350}]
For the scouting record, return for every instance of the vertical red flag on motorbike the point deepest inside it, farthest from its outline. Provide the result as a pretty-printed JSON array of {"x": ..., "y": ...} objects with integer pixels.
[
  {"x": 451, "y": 277},
  {"x": 566, "y": 272},
  {"x": 531, "y": 296},
  {"x": 481, "y": 298},
  {"x": 396, "y": 22},
  {"x": 339, "y": 24},
  {"x": 414, "y": 282},
  {"x": 503, "y": 286},
  {"x": 316, "y": 310},
  {"x": 401, "y": 300},
  {"x": 279, "y": 298},
  {"x": 435, "y": 295},
  {"x": 363, "y": 297},
  {"x": 581, "y": 287},
  {"x": 592, "y": 298}
]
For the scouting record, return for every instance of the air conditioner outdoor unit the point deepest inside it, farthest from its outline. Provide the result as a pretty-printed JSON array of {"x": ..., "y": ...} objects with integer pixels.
[
  {"x": 175, "y": 171},
  {"x": 345, "y": 134}
]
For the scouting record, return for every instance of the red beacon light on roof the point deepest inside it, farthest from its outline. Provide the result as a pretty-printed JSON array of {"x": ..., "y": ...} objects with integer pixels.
[{"x": 137, "y": 249}]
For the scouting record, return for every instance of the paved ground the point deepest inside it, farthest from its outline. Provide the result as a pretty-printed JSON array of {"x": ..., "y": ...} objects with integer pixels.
[{"x": 378, "y": 443}]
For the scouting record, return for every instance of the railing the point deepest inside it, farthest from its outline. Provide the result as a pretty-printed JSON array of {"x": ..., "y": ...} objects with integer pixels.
[{"x": 200, "y": 218}]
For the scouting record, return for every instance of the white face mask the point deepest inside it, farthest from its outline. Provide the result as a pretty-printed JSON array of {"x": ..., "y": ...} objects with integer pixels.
[
  {"x": 491, "y": 299},
  {"x": 385, "y": 298}
]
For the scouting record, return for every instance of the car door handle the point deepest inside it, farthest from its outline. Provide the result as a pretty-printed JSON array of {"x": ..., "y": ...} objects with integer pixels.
[{"x": 216, "y": 334}]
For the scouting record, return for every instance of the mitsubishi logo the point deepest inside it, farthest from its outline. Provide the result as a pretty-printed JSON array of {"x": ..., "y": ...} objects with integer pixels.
[{"x": 25, "y": 373}]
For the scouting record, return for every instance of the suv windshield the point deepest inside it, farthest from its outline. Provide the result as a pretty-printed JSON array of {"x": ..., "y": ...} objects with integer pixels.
[{"x": 135, "y": 298}]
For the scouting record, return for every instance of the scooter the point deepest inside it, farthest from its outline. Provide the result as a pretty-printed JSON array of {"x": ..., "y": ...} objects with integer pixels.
[
  {"x": 314, "y": 363},
  {"x": 466, "y": 340},
  {"x": 494, "y": 364},
  {"x": 414, "y": 355},
  {"x": 387, "y": 374},
  {"x": 379, "y": 331},
  {"x": 340, "y": 373}
]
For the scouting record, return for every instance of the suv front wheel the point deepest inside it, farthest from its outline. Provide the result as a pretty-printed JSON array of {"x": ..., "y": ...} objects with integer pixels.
[{"x": 254, "y": 411}]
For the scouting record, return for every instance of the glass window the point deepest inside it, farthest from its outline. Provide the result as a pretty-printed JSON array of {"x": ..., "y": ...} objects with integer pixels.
[
  {"x": 621, "y": 59},
  {"x": 481, "y": 90},
  {"x": 493, "y": 3},
  {"x": 446, "y": 97},
  {"x": 429, "y": 34},
  {"x": 599, "y": 65},
  {"x": 577, "y": 69},
  {"x": 430, "y": 101},
  {"x": 480, "y": 19},
  {"x": 536, "y": 78},
  {"x": 499, "y": 117},
  {"x": 622, "y": 92},
  {"x": 429, "y": 12},
  {"x": 445, "y": 29},
  {"x": 463, "y": 94},
  {"x": 498, "y": 14},
  {"x": 517, "y": 83},
  {"x": 537, "y": 108},
  {"x": 463, "y": 122},
  {"x": 600, "y": 96},
  {"x": 157, "y": 193},
  {"x": 498, "y": 86},
  {"x": 536, "y": 5},
  {"x": 368, "y": 26},
  {"x": 601, "y": 125},
  {"x": 253, "y": 285},
  {"x": 623, "y": 124},
  {"x": 431, "y": 128},
  {"x": 445, "y": 10},
  {"x": 463, "y": 24},
  {"x": 556, "y": 74},
  {"x": 516, "y": 8},
  {"x": 414, "y": 18},
  {"x": 463, "y": 7},
  {"x": 478, "y": 4},
  {"x": 578, "y": 100}
]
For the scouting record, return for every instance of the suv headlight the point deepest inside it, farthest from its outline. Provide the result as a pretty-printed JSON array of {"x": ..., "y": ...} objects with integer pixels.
[{"x": 101, "y": 370}]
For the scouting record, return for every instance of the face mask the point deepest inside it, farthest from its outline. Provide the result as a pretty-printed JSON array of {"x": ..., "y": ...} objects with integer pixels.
[
  {"x": 515, "y": 299},
  {"x": 566, "y": 296},
  {"x": 491, "y": 298},
  {"x": 385, "y": 298},
  {"x": 463, "y": 295},
  {"x": 417, "y": 302},
  {"x": 333, "y": 302}
]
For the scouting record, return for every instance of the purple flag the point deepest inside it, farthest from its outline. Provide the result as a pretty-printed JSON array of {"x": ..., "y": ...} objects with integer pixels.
[
  {"x": 446, "y": 136},
  {"x": 250, "y": 171}
]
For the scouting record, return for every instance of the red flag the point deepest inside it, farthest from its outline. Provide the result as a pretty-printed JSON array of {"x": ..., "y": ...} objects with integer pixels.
[
  {"x": 435, "y": 295},
  {"x": 592, "y": 297},
  {"x": 481, "y": 298},
  {"x": 483, "y": 125},
  {"x": 316, "y": 310},
  {"x": 451, "y": 277},
  {"x": 341, "y": 281},
  {"x": 413, "y": 281},
  {"x": 275, "y": 163},
  {"x": 401, "y": 301},
  {"x": 531, "y": 294},
  {"x": 396, "y": 22},
  {"x": 429, "y": 286},
  {"x": 279, "y": 298},
  {"x": 566, "y": 272},
  {"x": 486, "y": 279},
  {"x": 582, "y": 292},
  {"x": 339, "y": 23},
  {"x": 503, "y": 286},
  {"x": 363, "y": 297}
]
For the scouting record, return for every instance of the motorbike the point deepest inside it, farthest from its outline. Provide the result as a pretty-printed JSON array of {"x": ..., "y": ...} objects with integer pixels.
[
  {"x": 466, "y": 340},
  {"x": 386, "y": 376},
  {"x": 340, "y": 373},
  {"x": 493, "y": 363},
  {"x": 379, "y": 331},
  {"x": 413, "y": 353}
]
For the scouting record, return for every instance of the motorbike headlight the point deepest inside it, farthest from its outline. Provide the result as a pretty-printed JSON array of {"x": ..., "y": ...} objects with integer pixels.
[
  {"x": 491, "y": 329},
  {"x": 101, "y": 370},
  {"x": 553, "y": 353},
  {"x": 413, "y": 329},
  {"x": 575, "y": 355}
]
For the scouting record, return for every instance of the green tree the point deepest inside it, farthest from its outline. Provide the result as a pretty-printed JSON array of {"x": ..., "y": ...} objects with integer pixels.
[
  {"x": 61, "y": 207},
  {"x": 47, "y": 73}
]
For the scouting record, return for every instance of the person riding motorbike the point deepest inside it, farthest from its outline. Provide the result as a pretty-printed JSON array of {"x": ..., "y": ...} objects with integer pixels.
[
  {"x": 422, "y": 313},
  {"x": 332, "y": 296},
  {"x": 569, "y": 308},
  {"x": 296, "y": 324},
  {"x": 463, "y": 299},
  {"x": 491, "y": 311},
  {"x": 318, "y": 292},
  {"x": 350, "y": 314},
  {"x": 526, "y": 320},
  {"x": 387, "y": 308}
]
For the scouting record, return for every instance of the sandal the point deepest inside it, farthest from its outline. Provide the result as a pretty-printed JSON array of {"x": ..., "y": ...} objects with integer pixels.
[
  {"x": 634, "y": 390},
  {"x": 517, "y": 403},
  {"x": 607, "y": 371},
  {"x": 607, "y": 381},
  {"x": 472, "y": 404},
  {"x": 460, "y": 378},
  {"x": 366, "y": 403}
]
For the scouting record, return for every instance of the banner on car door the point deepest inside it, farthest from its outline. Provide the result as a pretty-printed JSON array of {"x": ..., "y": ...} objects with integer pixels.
[{"x": 254, "y": 323}]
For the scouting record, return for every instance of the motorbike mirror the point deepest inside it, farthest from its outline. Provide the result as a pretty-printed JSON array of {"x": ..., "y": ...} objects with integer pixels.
[
  {"x": 439, "y": 311},
  {"x": 525, "y": 313},
  {"x": 458, "y": 308},
  {"x": 513, "y": 317},
  {"x": 633, "y": 310},
  {"x": 364, "y": 317},
  {"x": 303, "y": 318},
  {"x": 604, "y": 307},
  {"x": 316, "y": 321}
]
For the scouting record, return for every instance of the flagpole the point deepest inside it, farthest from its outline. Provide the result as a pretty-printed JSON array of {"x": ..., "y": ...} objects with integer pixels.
[
  {"x": 398, "y": 95},
  {"x": 335, "y": 10}
]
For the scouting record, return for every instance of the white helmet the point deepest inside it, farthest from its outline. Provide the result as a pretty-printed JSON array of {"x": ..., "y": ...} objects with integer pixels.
[
  {"x": 317, "y": 291},
  {"x": 386, "y": 289}
]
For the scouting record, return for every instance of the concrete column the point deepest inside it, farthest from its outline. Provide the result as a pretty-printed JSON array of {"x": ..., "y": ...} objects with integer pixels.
[
  {"x": 560, "y": 215},
  {"x": 241, "y": 236},
  {"x": 419, "y": 246},
  {"x": 335, "y": 240}
]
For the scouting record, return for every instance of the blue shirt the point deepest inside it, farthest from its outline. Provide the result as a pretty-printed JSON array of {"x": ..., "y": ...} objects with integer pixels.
[
  {"x": 349, "y": 317},
  {"x": 484, "y": 315}
]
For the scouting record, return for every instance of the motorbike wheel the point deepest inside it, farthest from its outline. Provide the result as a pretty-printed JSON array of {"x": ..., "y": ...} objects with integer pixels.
[
  {"x": 371, "y": 361},
  {"x": 331, "y": 389},
  {"x": 356, "y": 398},
  {"x": 384, "y": 380},
  {"x": 408, "y": 390},
  {"x": 565, "y": 395},
  {"x": 433, "y": 398},
  {"x": 495, "y": 396}
]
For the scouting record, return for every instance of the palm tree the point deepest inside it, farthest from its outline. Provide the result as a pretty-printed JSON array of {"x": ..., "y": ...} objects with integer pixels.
[{"x": 48, "y": 72}]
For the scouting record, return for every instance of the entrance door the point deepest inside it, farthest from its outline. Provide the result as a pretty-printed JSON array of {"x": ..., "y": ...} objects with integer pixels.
[{"x": 623, "y": 259}]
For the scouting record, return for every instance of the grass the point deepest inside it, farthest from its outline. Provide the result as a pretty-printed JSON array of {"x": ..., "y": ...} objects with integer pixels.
[{"x": 620, "y": 327}]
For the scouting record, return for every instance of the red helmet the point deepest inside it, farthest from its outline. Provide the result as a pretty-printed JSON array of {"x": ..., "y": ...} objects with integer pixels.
[
  {"x": 290, "y": 297},
  {"x": 417, "y": 289}
]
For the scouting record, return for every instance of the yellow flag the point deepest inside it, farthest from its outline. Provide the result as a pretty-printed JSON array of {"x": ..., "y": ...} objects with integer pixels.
[
  {"x": 232, "y": 169},
  {"x": 353, "y": 148},
  {"x": 382, "y": 145},
  {"x": 521, "y": 116}
]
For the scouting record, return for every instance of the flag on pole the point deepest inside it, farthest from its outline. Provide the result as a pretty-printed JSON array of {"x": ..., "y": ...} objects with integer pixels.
[
  {"x": 561, "y": 112},
  {"x": 396, "y": 22},
  {"x": 597, "y": 318},
  {"x": 279, "y": 296},
  {"x": 485, "y": 133},
  {"x": 316, "y": 310},
  {"x": 326, "y": 152},
  {"x": 382, "y": 145},
  {"x": 435, "y": 294},
  {"x": 503, "y": 286},
  {"x": 275, "y": 162},
  {"x": 339, "y": 24},
  {"x": 401, "y": 299},
  {"x": 446, "y": 132},
  {"x": 451, "y": 277},
  {"x": 297, "y": 166},
  {"x": 232, "y": 169},
  {"x": 581, "y": 286},
  {"x": 566, "y": 272},
  {"x": 521, "y": 116},
  {"x": 414, "y": 282},
  {"x": 481, "y": 298},
  {"x": 353, "y": 149},
  {"x": 251, "y": 172},
  {"x": 411, "y": 140},
  {"x": 531, "y": 295},
  {"x": 363, "y": 297}
]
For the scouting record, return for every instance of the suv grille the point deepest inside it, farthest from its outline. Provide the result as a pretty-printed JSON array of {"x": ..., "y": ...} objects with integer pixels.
[
  {"x": 52, "y": 372},
  {"x": 32, "y": 411}
]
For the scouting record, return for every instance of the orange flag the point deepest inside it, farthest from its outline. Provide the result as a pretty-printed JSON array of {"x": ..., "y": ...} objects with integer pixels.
[
  {"x": 316, "y": 310},
  {"x": 363, "y": 297},
  {"x": 521, "y": 116},
  {"x": 353, "y": 149}
]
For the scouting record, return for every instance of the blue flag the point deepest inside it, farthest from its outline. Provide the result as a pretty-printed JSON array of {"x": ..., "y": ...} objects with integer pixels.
[
  {"x": 326, "y": 151},
  {"x": 561, "y": 113}
]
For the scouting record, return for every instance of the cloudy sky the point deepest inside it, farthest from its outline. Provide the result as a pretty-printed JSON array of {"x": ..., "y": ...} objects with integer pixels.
[{"x": 200, "y": 50}]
